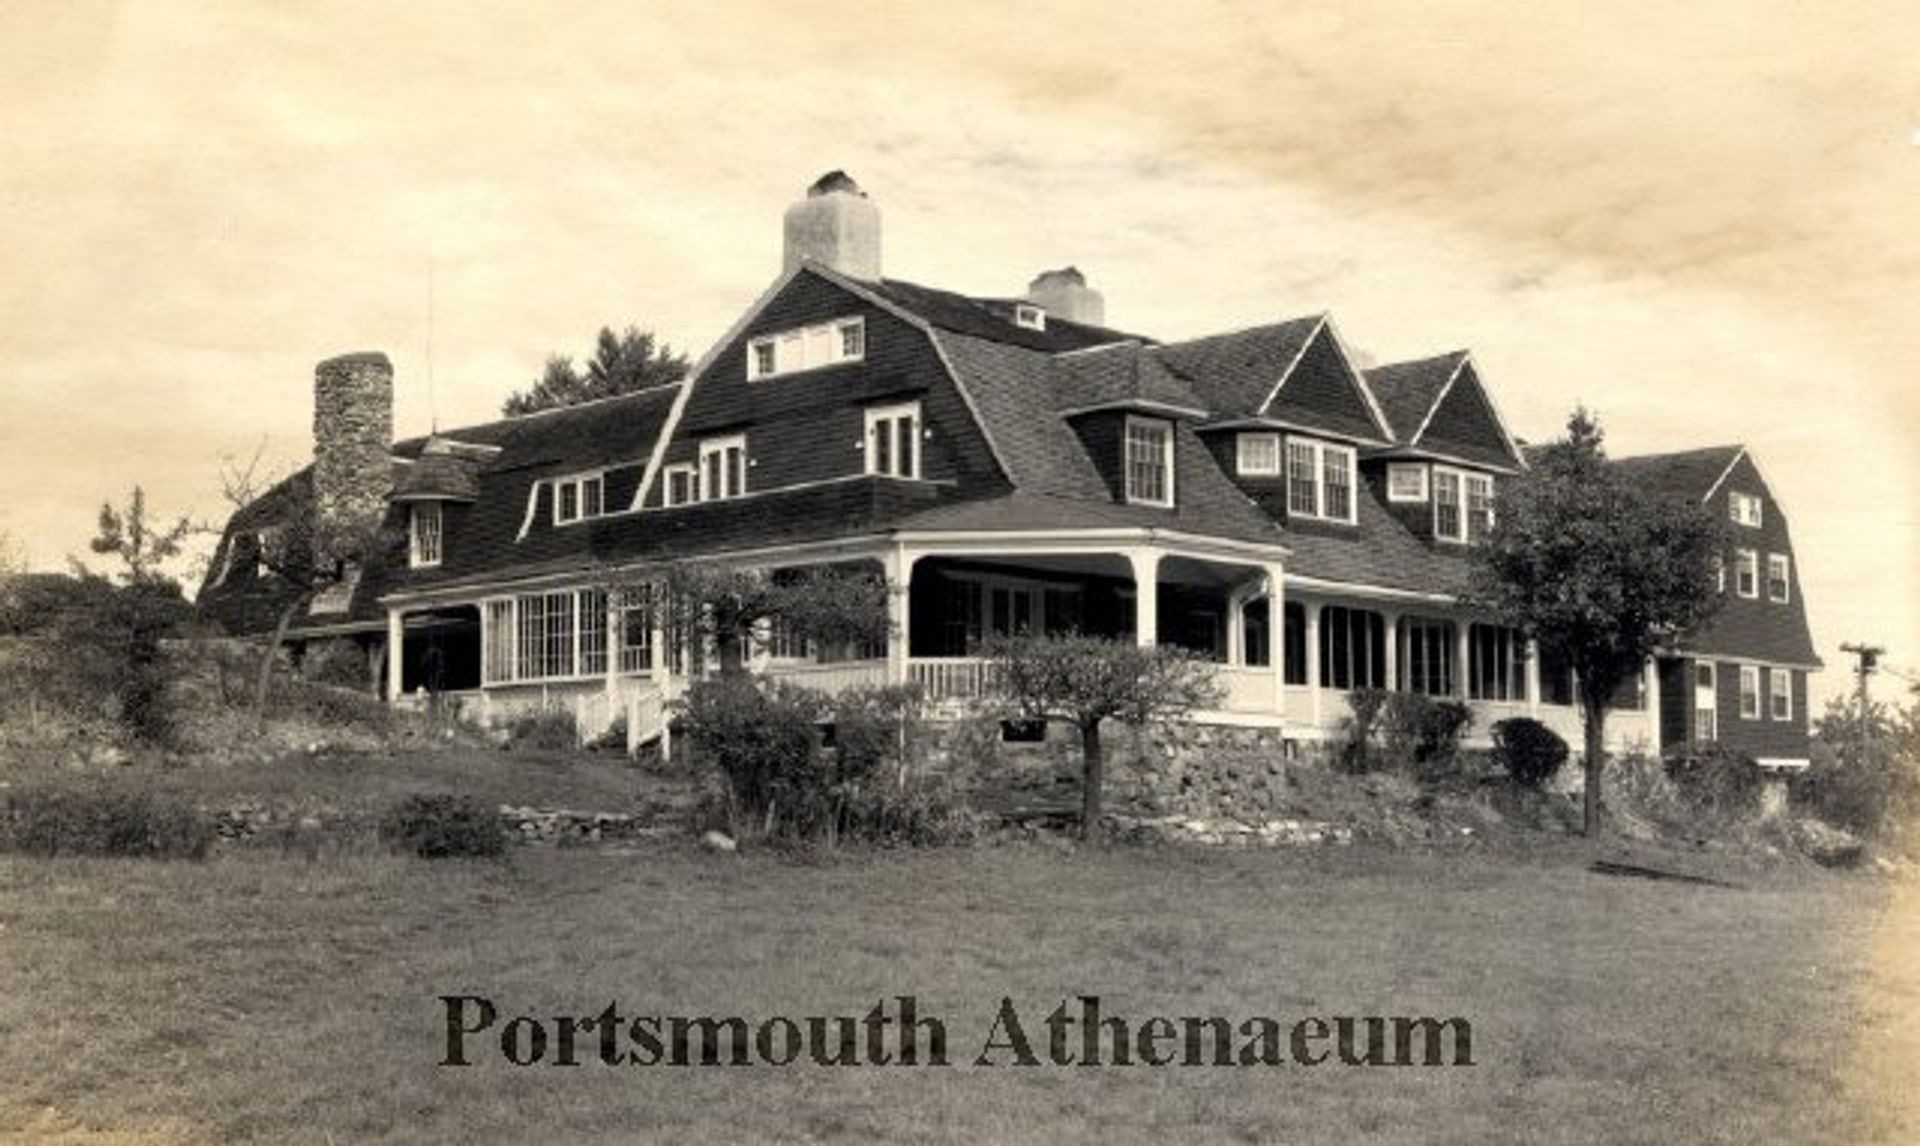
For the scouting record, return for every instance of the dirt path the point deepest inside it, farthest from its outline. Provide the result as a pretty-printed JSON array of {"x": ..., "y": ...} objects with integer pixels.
[{"x": 1885, "y": 1068}]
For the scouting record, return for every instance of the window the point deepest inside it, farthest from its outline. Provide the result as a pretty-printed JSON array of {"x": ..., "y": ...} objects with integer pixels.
[
  {"x": 1353, "y": 648},
  {"x": 426, "y": 535},
  {"x": 1746, "y": 573},
  {"x": 1257, "y": 455},
  {"x": 808, "y": 348},
  {"x": 1293, "y": 643},
  {"x": 785, "y": 643},
  {"x": 634, "y": 608},
  {"x": 1426, "y": 654},
  {"x": 549, "y": 636},
  {"x": 723, "y": 468},
  {"x": 1744, "y": 509},
  {"x": 1462, "y": 504},
  {"x": 1719, "y": 573},
  {"x": 593, "y": 632},
  {"x": 1029, "y": 316},
  {"x": 1406, "y": 481},
  {"x": 1706, "y": 703},
  {"x": 682, "y": 484},
  {"x": 1780, "y": 693},
  {"x": 1749, "y": 692},
  {"x": 1779, "y": 587},
  {"x": 1320, "y": 480},
  {"x": 577, "y": 498},
  {"x": 1496, "y": 663},
  {"x": 544, "y": 644},
  {"x": 893, "y": 440},
  {"x": 1149, "y": 461}
]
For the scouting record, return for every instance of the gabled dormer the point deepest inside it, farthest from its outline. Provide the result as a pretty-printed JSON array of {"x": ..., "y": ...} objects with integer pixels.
[{"x": 1450, "y": 447}]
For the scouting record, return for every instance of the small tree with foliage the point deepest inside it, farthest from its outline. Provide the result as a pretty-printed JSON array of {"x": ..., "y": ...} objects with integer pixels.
[
  {"x": 1085, "y": 680},
  {"x": 1865, "y": 775},
  {"x": 621, "y": 364},
  {"x": 735, "y": 607},
  {"x": 1601, "y": 573},
  {"x": 146, "y": 607}
]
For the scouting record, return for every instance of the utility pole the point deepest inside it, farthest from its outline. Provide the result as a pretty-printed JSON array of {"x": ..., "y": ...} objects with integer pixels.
[{"x": 1866, "y": 662}]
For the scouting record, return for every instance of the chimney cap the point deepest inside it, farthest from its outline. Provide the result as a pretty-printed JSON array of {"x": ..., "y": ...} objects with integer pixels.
[
  {"x": 835, "y": 180},
  {"x": 357, "y": 358},
  {"x": 1068, "y": 274}
]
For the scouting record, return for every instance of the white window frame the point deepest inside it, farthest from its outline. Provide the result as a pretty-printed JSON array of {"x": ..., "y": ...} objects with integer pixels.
[
  {"x": 1158, "y": 426},
  {"x": 1322, "y": 450},
  {"x": 1397, "y": 470},
  {"x": 1738, "y": 507},
  {"x": 1746, "y": 573},
  {"x": 1711, "y": 711},
  {"x": 1785, "y": 565},
  {"x": 578, "y": 483},
  {"x": 729, "y": 475},
  {"x": 1719, "y": 573},
  {"x": 1246, "y": 464},
  {"x": 1468, "y": 517},
  {"x": 1780, "y": 694},
  {"x": 1443, "y": 476},
  {"x": 1750, "y": 690},
  {"x": 805, "y": 348},
  {"x": 893, "y": 418},
  {"x": 680, "y": 469},
  {"x": 422, "y": 553},
  {"x": 1027, "y": 315}
]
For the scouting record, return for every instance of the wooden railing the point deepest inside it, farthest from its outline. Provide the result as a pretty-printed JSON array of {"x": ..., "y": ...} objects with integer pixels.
[
  {"x": 831, "y": 679},
  {"x": 951, "y": 678}
]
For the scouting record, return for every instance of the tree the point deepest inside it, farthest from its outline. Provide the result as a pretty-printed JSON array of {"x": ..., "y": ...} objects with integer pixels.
[
  {"x": 1865, "y": 774},
  {"x": 1085, "y": 680},
  {"x": 621, "y": 364},
  {"x": 1599, "y": 572},
  {"x": 142, "y": 546},
  {"x": 735, "y": 607}
]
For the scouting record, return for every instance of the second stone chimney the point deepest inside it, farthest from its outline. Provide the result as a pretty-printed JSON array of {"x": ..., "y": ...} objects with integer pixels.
[
  {"x": 1065, "y": 294},
  {"x": 837, "y": 226},
  {"x": 352, "y": 432}
]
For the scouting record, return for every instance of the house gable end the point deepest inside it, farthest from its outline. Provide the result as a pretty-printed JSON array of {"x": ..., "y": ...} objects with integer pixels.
[
  {"x": 1323, "y": 391},
  {"x": 1463, "y": 424}
]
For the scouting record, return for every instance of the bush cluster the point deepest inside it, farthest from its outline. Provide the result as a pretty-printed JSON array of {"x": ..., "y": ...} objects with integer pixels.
[
  {"x": 550, "y": 730},
  {"x": 1405, "y": 730},
  {"x": 1530, "y": 751},
  {"x": 106, "y": 820},
  {"x": 444, "y": 827},
  {"x": 1715, "y": 781}
]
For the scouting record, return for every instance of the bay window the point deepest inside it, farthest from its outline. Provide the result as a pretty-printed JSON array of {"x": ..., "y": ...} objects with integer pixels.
[{"x": 1320, "y": 480}]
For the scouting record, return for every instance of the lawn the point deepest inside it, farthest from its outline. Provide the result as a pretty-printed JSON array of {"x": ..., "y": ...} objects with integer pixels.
[{"x": 264, "y": 998}]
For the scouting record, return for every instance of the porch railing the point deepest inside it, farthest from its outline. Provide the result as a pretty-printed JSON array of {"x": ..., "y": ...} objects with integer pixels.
[
  {"x": 832, "y": 679},
  {"x": 951, "y": 678}
]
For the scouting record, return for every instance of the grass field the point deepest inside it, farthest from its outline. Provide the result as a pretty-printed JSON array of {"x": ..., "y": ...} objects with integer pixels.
[{"x": 262, "y": 998}]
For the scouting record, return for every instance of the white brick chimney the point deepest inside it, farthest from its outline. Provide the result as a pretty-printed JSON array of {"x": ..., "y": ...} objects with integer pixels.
[{"x": 835, "y": 225}]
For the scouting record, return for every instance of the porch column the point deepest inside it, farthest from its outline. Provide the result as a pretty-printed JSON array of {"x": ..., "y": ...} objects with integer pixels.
[
  {"x": 613, "y": 644},
  {"x": 1313, "y": 661},
  {"x": 1533, "y": 679},
  {"x": 1652, "y": 701},
  {"x": 396, "y": 652},
  {"x": 1393, "y": 650},
  {"x": 656, "y": 634},
  {"x": 1237, "y": 627},
  {"x": 896, "y": 565},
  {"x": 1461, "y": 654},
  {"x": 1146, "y": 596},
  {"x": 1277, "y": 635}
]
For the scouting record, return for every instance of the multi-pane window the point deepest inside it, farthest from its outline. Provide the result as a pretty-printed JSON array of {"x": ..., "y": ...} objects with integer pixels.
[
  {"x": 1496, "y": 663},
  {"x": 1746, "y": 572},
  {"x": 1780, "y": 693},
  {"x": 1320, "y": 478},
  {"x": 893, "y": 440},
  {"x": 1462, "y": 504},
  {"x": 1406, "y": 481},
  {"x": 1749, "y": 692},
  {"x": 1744, "y": 509},
  {"x": 1257, "y": 455},
  {"x": 426, "y": 535},
  {"x": 683, "y": 484},
  {"x": 577, "y": 498},
  {"x": 1149, "y": 461},
  {"x": 1706, "y": 702},
  {"x": 549, "y": 636},
  {"x": 723, "y": 468},
  {"x": 1426, "y": 655},
  {"x": 1353, "y": 648},
  {"x": 1479, "y": 506},
  {"x": 593, "y": 632},
  {"x": 634, "y": 609},
  {"x": 807, "y": 348},
  {"x": 1779, "y": 584}
]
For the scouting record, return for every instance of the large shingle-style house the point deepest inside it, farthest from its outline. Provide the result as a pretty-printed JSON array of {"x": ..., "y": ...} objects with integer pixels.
[{"x": 1008, "y": 464}]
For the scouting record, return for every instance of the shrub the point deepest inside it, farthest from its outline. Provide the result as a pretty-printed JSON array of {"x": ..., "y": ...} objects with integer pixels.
[
  {"x": 106, "y": 821},
  {"x": 1529, "y": 750},
  {"x": 549, "y": 729},
  {"x": 1360, "y": 728},
  {"x": 614, "y": 739},
  {"x": 341, "y": 663},
  {"x": 759, "y": 736},
  {"x": 441, "y": 827},
  {"x": 1422, "y": 733},
  {"x": 1715, "y": 781},
  {"x": 1874, "y": 794},
  {"x": 879, "y": 729}
]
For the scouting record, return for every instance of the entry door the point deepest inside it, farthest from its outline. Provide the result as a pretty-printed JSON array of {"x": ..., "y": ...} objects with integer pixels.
[{"x": 1705, "y": 702}]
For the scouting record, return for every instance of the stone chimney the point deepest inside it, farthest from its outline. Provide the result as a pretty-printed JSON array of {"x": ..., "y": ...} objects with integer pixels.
[
  {"x": 837, "y": 226},
  {"x": 1065, "y": 294},
  {"x": 352, "y": 432}
]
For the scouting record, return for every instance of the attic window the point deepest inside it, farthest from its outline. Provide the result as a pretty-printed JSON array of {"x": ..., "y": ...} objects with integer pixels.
[
  {"x": 1257, "y": 455},
  {"x": 1406, "y": 481},
  {"x": 1744, "y": 509},
  {"x": 682, "y": 484},
  {"x": 425, "y": 535},
  {"x": 1029, "y": 316},
  {"x": 1149, "y": 461},
  {"x": 807, "y": 348},
  {"x": 578, "y": 498}
]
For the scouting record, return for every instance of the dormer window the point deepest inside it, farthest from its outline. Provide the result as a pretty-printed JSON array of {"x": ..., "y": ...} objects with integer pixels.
[
  {"x": 723, "y": 468},
  {"x": 1406, "y": 481},
  {"x": 1257, "y": 455},
  {"x": 579, "y": 497},
  {"x": 1029, "y": 316},
  {"x": 1320, "y": 480},
  {"x": 893, "y": 440},
  {"x": 424, "y": 535},
  {"x": 682, "y": 484},
  {"x": 1462, "y": 504},
  {"x": 1744, "y": 509},
  {"x": 807, "y": 348},
  {"x": 1149, "y": 461}
]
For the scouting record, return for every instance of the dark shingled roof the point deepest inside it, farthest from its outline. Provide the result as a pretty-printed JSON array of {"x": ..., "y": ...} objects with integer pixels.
[
  {"x": 1689, "y": 473},
  {"x": 437, "y": 476},
  {"x": 992, "y": 318},
  {"x": 1407, "y": 391},
  {"x": 1117, "y": 375},
  {"x": 1234, "y": 373}
]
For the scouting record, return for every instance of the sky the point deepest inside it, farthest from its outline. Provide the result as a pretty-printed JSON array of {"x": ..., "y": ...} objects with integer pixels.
[{"x": 1701, "y": 220}]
